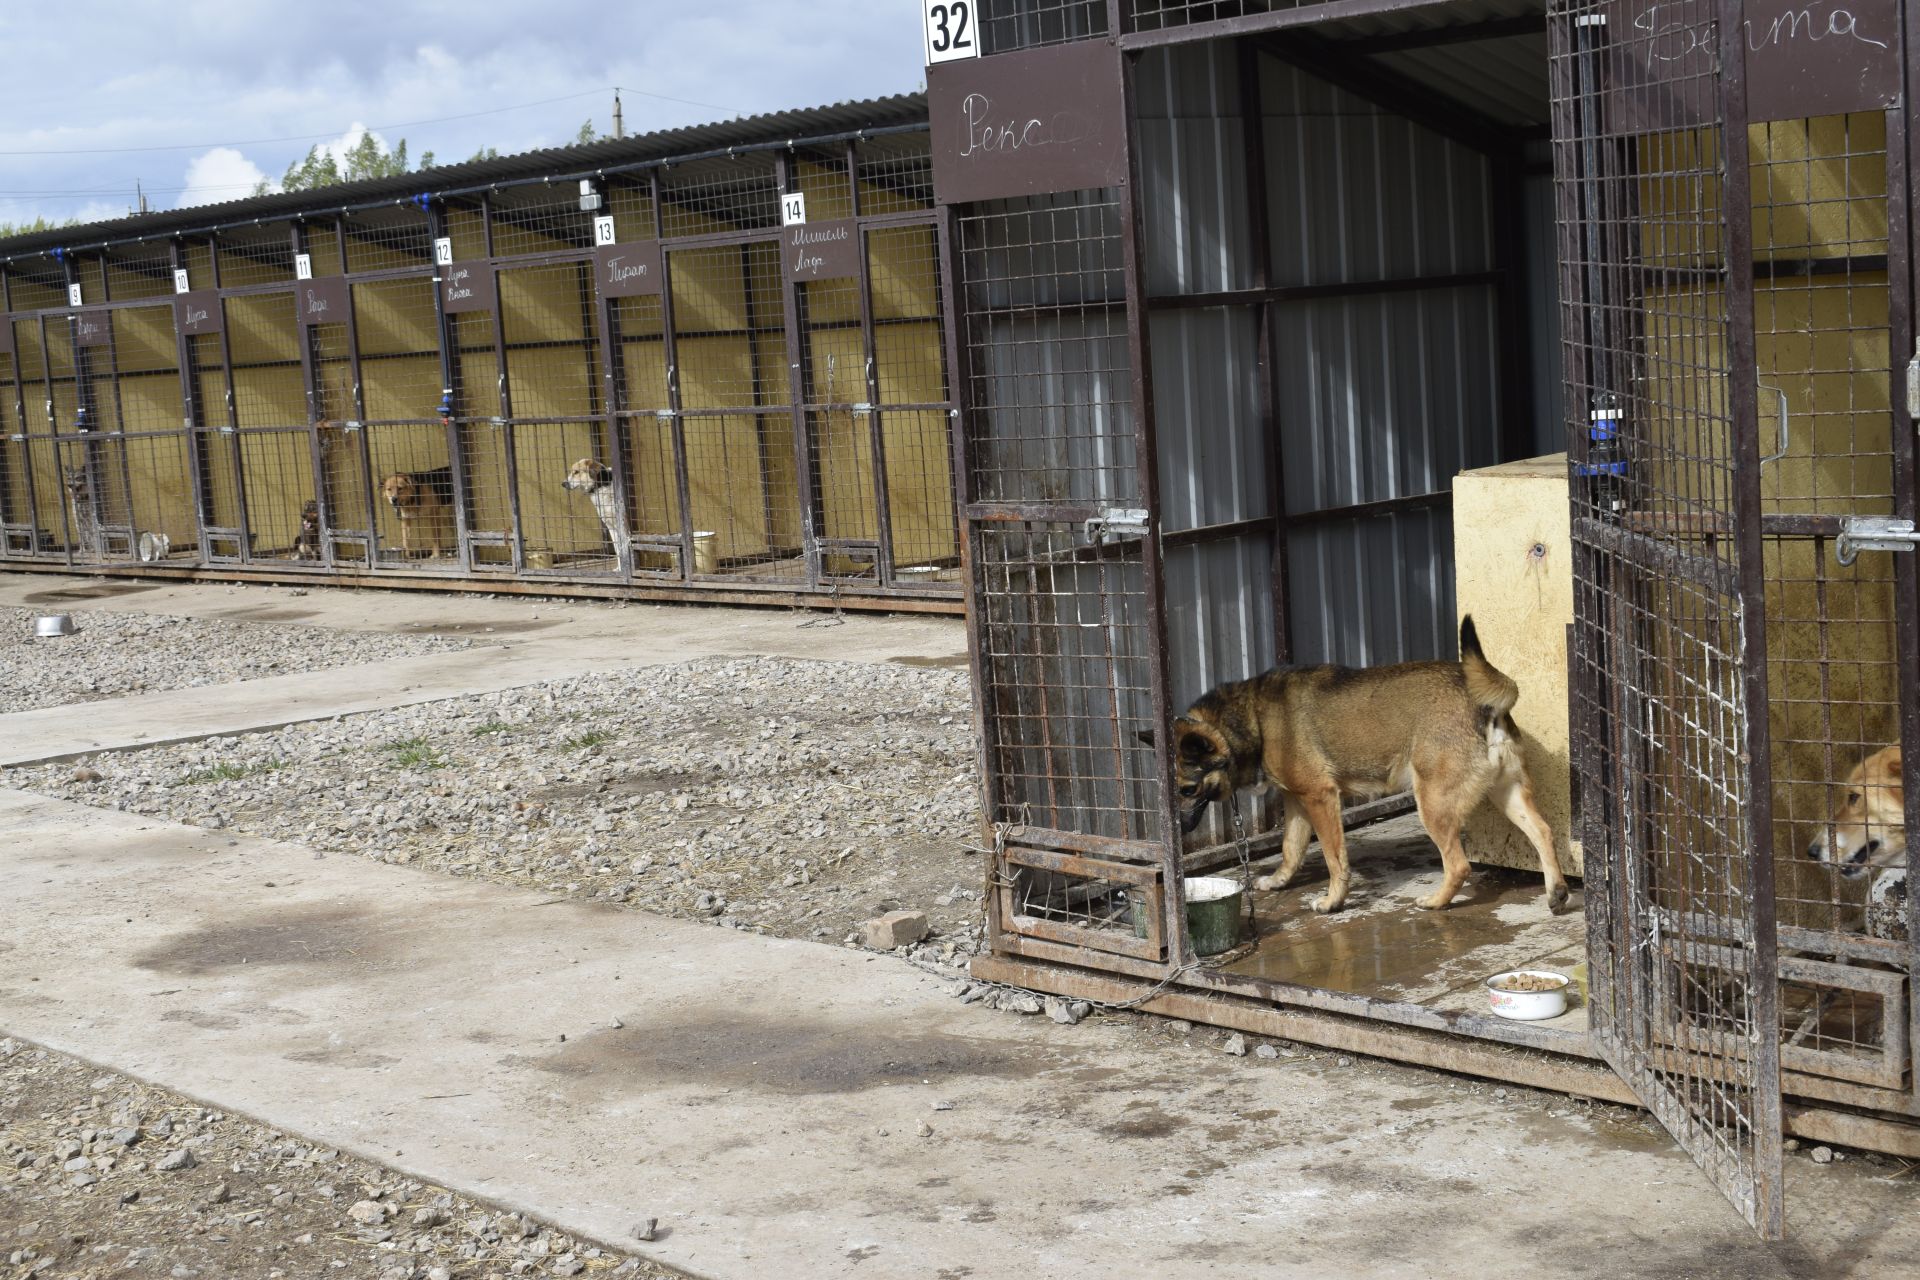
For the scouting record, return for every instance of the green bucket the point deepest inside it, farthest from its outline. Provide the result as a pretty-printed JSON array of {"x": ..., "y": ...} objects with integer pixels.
[{"x": 1215, "y": 909}]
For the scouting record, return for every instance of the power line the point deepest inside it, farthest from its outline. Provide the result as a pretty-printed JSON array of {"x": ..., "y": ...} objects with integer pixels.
[{"x": 378, "y": 128}]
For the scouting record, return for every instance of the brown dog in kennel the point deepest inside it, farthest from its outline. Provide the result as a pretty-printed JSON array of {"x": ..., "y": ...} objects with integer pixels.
[
  {"x": 1442, "y": 730},
  {"x": 423, "y": 500},
  {"x": 1867, "y": 832}
]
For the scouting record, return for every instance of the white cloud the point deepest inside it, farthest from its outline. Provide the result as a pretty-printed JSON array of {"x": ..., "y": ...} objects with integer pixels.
[{"x": 220, "y": 174}]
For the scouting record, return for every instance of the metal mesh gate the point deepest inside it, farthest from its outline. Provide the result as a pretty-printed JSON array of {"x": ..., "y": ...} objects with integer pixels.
[{"x": 1670, "y": 673}]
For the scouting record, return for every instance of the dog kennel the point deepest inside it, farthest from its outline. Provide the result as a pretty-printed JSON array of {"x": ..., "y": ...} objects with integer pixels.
[
  {"x": 1241, "y": 288},
  {"x": 738, "y": 328}
]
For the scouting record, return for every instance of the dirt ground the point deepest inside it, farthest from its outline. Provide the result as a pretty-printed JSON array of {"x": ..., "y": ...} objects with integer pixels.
[
  {"x": 103, "y": 1176},
  {"x": 789, "y": 798}
]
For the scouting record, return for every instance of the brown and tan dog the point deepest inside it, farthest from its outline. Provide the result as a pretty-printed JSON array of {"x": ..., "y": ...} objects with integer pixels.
[
  {"x": 1868, "y": 829},
  {"x": 306, "y": 540},
  {"x": 422, "y": 499},
  {"x": 1320, "y": 734}
]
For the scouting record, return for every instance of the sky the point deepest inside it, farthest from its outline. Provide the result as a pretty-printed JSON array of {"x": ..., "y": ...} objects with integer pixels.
[{"x": 197, "y": 101}]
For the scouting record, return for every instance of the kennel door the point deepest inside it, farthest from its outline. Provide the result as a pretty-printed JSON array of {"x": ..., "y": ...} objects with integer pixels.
[{"x": 1670, "y": 675}]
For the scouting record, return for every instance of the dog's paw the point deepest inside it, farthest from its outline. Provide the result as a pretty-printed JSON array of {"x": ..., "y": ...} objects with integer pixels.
[
  {"x": 1557, "y": 898},
  {"x": 1268, "y": 884},
  {"x": 1325, "y": 903},
  {"x": 1433, "y": 901}
]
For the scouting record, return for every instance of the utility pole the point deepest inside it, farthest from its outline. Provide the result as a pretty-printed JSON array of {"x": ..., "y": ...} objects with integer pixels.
[{"x": 619, "y": 126}]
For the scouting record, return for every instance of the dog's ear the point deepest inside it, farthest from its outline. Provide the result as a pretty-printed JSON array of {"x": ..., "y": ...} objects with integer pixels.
[{"x": 1197, "y": 741}]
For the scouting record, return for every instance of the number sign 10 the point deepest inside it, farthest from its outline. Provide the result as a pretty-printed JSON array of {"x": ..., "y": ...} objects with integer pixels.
[{"x": 950, "y": 30}]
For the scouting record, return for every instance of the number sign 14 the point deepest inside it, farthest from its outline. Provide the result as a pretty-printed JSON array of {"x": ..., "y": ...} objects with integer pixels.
[
  {"x": 950, "y": 30},
  {"x": 793, "y": 208}
]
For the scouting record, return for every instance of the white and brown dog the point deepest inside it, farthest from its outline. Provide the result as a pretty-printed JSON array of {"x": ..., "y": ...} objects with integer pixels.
[
  {"x": 596, "y": 481},
  {"x": 1868, "y": 832}
]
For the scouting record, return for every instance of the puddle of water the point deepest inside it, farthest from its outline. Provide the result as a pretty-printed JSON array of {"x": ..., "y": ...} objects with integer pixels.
[
  {"x": 99, "y": 591},
  {"x": 1392, "y": 945}
]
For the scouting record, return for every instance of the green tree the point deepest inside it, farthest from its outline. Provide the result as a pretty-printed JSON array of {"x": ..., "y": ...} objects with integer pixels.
[
  {"x": 586, "y": 133},
  {"x": 38, "y": 224},
  {"x": 364, "y": 159}
]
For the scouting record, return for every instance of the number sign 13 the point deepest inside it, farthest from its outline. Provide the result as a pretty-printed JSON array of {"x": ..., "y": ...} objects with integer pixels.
[{"x": 950, "y": 30}]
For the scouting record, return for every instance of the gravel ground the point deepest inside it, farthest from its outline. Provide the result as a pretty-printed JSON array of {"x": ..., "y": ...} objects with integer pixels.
[
  {"x": 112, "y": 655},
  {"x": 100, "y": 1175},
  {"x": 785, "y": 797}
]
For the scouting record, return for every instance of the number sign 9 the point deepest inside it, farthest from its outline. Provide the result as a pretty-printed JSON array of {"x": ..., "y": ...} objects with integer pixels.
[{"x": 950, "y": 30}]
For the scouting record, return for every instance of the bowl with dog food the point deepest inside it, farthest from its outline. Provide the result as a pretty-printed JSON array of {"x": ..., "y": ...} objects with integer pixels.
[
  {"x": 1215, "y": 906},
  {"x": 1527, "y": 995}
]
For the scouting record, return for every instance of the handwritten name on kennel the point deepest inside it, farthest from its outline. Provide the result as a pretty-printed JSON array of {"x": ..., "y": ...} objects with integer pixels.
[{"x": 822, "y": 250}]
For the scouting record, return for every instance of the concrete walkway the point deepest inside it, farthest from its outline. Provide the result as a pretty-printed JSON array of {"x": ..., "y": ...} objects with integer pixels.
[
  {"x": 517, "y": 642},
  {"x": 783, "y": 1107}
]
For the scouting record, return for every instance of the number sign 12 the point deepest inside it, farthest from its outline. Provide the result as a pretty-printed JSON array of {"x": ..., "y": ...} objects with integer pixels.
[
  {"x": 950, "y": 30},
  {"x": 443, "y": 251}
]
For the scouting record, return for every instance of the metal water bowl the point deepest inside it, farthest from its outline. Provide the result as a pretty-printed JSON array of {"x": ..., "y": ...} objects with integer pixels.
[{"x": 53, "y": 624}]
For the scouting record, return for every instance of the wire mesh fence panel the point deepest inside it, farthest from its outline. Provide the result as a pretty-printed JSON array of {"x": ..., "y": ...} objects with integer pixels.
[
  {"x": 649, "y": 434},
  {"x": 269, "y": 412},
  {"x": 743, "y": 472},
  {"x": 572, "y": 516},
  {"x": 915, "y": 428},
  {"x": 415, "y": 521},
  {"x": 215, "y": 451},
  {"x": 283, "y": 502},
  {"x": 250, "y": 256},
  {"x": 136, "y": 376},
  {"x": 743, "y": 499},
  {"x": 1047, "y": 334},
  {"x": 1670, "y": 679},
  {"x": 1061, "y": 627},
  {"x": 36, "y": 522},
  {"x": 1009, "y": 25},
  {"x": 398, "y": 347},
  {"x": 717, "y": 197},
  {"x": 1838, "y": 451},
  {"x": 486, "y": 440},
  {"x": 895, "y": 175},
  {"x": 128, "y": 498},
  {"x": 344, "y": 491},
  {"x": 572, "y": 509},
  {"x": 395, "y": 239},
  {"x": 841, "y": 440},
  {"x": 539, "y": 219},
  {"x": 131, "y": 272}
]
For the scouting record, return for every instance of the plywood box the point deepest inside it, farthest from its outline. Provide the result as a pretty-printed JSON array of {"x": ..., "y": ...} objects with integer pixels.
[{"x": 1513, "y": 567}]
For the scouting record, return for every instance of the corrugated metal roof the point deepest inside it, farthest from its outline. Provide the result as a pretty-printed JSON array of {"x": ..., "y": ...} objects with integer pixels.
[
  {"x": 1503, "y": 80},
  {"x": 1428, "y": 17},
  {"x": 667, "y": 144}
]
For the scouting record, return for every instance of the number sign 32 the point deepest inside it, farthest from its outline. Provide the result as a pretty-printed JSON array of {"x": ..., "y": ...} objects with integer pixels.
[{"x": 950, "y": 30}]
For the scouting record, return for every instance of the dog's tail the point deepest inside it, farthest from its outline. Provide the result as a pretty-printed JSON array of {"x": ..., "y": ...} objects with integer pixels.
[{"x": 1491, "y": 689}]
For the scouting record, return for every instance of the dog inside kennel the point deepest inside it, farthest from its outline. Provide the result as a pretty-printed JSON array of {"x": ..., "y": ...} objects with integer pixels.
[{"x": 1314, "y": 336}]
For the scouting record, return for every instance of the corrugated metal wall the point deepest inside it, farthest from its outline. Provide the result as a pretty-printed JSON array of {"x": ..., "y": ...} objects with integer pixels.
[{"x": 1380, "y": 395}]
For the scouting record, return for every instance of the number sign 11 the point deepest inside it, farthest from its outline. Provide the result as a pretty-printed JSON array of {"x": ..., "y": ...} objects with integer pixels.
[{"x": 950, "y": 30}]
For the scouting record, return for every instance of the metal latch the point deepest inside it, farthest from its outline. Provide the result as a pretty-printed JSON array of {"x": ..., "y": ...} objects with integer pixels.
[
  {"x": 1873, "y": 533},
  {"x": 1118, "y": 522},
  {"x": 1913, "y": 383}
]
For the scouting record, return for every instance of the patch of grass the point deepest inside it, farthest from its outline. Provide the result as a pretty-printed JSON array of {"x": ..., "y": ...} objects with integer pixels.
[
  {"x": 493, "y": 726},
  {"x": 413, "y": 753},
  {"x": 585, "y": 740},
  {"x": 229, "y": 773}
]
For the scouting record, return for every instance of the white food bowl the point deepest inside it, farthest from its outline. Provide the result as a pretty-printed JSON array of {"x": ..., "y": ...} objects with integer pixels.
[
  {"x": 1529, "y": 1006},
  {"x": 53, "y": 624}
]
